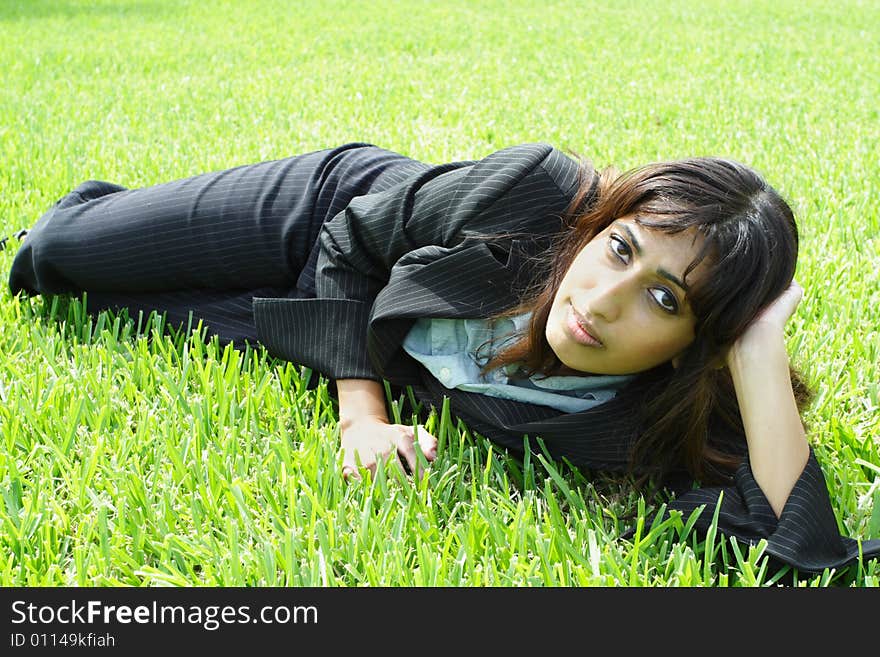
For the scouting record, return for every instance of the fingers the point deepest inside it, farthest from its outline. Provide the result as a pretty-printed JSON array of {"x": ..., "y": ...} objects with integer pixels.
[
  {"x": 400, "y": 448},
  {"x": 780, "y": 310},
  {"x": 352, "y": 472},
  {"x": 794, "y": 292},
  {"x": 407, "y": 451},
  {"x": 349, "y": 469},
  {"x": 407, "y": 448},
  {"x": 352, "y": 462},
  {"x": 788, "y": 301},
  {"x": 428, "y": 443}
]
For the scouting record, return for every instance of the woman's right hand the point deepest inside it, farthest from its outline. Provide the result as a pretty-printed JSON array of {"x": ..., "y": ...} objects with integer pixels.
[{"x": 368, "y": 439}]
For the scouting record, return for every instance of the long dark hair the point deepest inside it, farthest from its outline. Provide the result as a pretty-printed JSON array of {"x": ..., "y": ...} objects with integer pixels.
[{"x": 749, "y": 255}]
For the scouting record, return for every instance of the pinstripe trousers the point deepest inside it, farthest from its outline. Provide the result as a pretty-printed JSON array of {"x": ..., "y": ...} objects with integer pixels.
[{"x": 205, "y": 245}]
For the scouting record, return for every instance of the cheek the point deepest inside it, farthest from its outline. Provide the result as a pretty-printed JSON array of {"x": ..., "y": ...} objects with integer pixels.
[
  {"x": 664, "y": 341},
  {"x": 580, "y": 273}
]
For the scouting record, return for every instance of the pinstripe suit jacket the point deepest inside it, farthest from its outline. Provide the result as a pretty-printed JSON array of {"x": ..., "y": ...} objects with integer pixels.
[{"x": 412, "y": 251}]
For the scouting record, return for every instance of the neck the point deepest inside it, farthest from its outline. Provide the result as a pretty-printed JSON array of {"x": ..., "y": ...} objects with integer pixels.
[{"x": 565, "y": 370}]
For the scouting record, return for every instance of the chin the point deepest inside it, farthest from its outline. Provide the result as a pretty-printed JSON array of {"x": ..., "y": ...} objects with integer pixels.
[
  {"x": 555, "y": 338},
  {"x": 570, "y": 363}
]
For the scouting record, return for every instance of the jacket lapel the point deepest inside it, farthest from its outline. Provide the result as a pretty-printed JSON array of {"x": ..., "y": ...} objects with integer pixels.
[{"x": 465, "y": 281}]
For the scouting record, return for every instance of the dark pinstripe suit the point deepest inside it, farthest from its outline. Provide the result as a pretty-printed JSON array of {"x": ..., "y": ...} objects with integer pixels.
[{"x": 328, "y": 258}]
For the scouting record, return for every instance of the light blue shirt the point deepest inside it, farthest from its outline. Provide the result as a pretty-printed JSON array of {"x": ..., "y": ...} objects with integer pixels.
[{"x": 448, "y": 348}]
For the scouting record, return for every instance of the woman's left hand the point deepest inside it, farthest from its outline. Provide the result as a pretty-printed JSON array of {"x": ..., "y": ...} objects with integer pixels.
[{"x": 770, "y": 322}]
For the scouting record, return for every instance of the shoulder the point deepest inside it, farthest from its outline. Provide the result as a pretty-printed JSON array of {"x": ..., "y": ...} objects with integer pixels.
[
  {"x": 531, "y": 162},
  {"x": 537, "y": 154}
]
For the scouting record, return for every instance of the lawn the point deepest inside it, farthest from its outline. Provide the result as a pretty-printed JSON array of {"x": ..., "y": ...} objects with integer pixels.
[{"x": 133, "y": 454}]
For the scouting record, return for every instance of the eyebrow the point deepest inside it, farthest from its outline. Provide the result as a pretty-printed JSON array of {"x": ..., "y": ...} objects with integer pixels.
[{"x": 665, "y": 274}]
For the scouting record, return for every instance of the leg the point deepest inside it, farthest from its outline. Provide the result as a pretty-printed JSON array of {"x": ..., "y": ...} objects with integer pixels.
[
  {"x": 248, "y": 227},
  {"x": 206, "y": 244},
  {"x": 226, "y": 314}
]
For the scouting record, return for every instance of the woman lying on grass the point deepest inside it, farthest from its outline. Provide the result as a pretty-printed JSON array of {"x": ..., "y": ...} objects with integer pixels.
[{"x": 631, "y": 322}]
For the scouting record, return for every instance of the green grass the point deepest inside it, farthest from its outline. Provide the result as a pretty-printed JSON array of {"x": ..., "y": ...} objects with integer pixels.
[{"x": 135, "y": 455}]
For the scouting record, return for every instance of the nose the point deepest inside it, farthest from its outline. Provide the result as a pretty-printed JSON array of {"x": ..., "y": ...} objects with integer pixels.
[{"x": 609, "y": 296}]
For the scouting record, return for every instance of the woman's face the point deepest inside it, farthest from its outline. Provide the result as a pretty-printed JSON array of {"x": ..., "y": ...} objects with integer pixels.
[{"x": 626, "y": 289}]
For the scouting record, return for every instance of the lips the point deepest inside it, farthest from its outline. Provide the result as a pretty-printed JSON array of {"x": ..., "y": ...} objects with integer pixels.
[{"x": 581, "y": 329}]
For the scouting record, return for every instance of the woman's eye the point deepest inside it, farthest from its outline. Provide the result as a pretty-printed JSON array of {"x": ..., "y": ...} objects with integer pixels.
[
  {"x": 619, "y": 247},
  {"x": 665, "y": 299}
]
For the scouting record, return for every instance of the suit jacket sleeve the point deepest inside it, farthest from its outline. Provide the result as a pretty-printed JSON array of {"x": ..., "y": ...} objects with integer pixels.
[
  {"x": 508, "y": 191},
  {"x": 805, "y": 536}
]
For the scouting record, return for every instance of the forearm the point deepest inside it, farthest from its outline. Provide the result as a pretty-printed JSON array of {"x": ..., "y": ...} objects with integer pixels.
[
  {"x": 777, "y": 443},
  {"x": 360, "y": 398}
]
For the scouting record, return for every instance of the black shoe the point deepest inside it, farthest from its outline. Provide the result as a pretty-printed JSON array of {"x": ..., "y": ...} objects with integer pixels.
[{"x": 19, "y": 234}]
